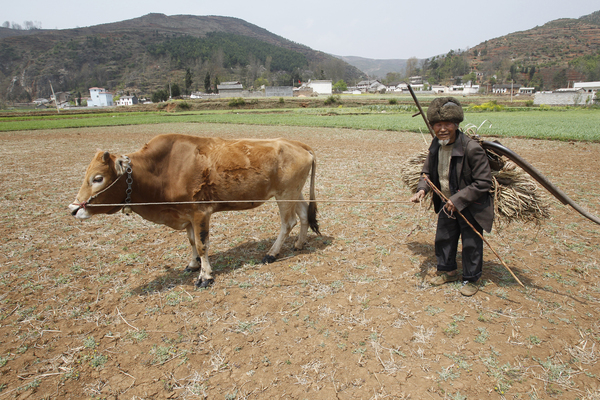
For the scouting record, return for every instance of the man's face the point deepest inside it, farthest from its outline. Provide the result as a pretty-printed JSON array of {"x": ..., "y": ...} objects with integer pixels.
[{"x": 445, "y": 131}]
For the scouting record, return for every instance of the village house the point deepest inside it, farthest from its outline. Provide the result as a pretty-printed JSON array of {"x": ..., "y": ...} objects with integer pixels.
[
  {"x": 526, "y": 90},
  {"x": 127, "y": 100},
  {"x": 61, "y": 99},
  {"x": 370, "y": 86},
  {"x": 439, "y": 89},
  {"x": 588, "y": 87},
  {"x": 230, "y": 89},
  {"x": 40, "y": 102},
  {"x": 321, "y": 86},
  {"x": 505, "y": 88},
  {"x": 99, "y": 97}
]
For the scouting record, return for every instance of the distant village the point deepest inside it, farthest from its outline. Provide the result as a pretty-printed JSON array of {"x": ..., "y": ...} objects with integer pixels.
[{"x": 581, "y": 93}]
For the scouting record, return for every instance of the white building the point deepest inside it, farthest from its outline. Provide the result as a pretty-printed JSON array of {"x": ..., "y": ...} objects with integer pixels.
[
  {"x": 588, "y": 87},
  {"x": 320, "y": 86},
  {"x": 439, "y": 89},
  {"x": 370, "y": 86},
  {"x": 526, "y": 90},
  {"x": 99, "y": 97},
  {"x": 127, "y": 101}
]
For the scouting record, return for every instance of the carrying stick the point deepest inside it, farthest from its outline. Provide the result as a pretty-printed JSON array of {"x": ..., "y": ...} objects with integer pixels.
[
  {"x": 421, "y": 112},
  {"x": 435, "y": 189}
]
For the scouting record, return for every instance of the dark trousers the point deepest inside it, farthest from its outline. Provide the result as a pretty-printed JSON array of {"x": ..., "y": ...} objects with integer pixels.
[{"x": 449, "y": 230}]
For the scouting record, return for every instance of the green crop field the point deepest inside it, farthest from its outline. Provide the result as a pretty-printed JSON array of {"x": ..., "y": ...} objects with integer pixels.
[{"x": 554, "y": 124}]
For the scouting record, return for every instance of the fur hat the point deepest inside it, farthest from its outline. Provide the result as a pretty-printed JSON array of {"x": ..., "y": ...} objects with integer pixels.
[{"x": 445, "y": 109}]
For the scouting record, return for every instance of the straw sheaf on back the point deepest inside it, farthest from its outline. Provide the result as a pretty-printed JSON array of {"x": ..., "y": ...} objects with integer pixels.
[
  {"x": 445, "y": 109},
  {"x": 516, "y": 195}
]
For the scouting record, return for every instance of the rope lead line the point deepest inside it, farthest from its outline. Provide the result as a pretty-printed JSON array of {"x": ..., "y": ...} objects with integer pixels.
[{"x": 176, "y": 203}]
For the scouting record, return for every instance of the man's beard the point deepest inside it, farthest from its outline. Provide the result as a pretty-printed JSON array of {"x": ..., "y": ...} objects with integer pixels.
[{"x": 444, "y": 142}]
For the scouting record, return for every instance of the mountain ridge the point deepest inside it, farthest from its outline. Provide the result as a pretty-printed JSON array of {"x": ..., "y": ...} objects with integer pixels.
[
  {"x": 117, "y": 56},
  {"x": 549, "y": 48}
]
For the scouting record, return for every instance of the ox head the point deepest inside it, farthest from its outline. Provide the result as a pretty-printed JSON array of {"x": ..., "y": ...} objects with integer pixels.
[{"x": 102, "y": 185}]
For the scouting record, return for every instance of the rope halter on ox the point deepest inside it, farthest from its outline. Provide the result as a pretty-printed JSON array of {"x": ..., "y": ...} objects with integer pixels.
[{"x": 129, "y": 181}]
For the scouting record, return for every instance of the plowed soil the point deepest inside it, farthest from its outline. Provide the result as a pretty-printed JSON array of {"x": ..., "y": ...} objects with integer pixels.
[{"x": 103, "y": 308}]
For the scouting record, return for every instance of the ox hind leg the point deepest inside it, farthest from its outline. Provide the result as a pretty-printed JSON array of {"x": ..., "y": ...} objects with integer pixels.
[
  {"x": 302, "y": 212},
  {"x": 198, "y": 235},
  {"x": 287, "y": 212}
]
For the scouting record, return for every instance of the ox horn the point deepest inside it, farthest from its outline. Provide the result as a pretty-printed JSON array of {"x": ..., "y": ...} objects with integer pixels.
[{"x": 500, "y": 150}]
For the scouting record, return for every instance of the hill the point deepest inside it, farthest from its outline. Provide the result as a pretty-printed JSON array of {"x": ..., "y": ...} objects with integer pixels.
[
  {"x": 147, "y": 53},
  {"x": 376, "y": 68},
  {"x": 547, "y": 57}
]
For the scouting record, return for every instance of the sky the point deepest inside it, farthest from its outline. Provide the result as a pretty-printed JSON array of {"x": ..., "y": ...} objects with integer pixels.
[{"x": 371, "y": 29}]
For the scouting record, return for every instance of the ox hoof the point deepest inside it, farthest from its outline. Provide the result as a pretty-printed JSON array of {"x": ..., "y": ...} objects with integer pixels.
[
  {"x": 204, "y": 283},
  {"x": 188, "y": 269},
  {"x": 268, "y": 259}
]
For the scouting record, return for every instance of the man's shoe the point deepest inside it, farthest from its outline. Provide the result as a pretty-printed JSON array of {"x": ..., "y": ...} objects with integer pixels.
[
  {"x": 443, "y": 278},
  {"x": 469, "y": 289}
]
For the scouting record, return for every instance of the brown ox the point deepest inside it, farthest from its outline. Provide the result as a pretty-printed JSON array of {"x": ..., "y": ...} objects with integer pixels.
[{"x": 179, "y": 168}]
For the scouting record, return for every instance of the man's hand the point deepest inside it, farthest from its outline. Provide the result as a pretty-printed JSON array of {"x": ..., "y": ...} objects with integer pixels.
[
  {"x": 417, "y": 197},
  {"x": 450, "y": 206}
]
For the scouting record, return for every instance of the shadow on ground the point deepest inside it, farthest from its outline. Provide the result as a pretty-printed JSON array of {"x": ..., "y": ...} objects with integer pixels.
[{"x": 248, "y": 253}]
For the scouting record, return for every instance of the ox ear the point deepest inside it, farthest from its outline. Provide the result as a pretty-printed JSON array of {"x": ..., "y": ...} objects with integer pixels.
[{"x": 122, "y": 164}]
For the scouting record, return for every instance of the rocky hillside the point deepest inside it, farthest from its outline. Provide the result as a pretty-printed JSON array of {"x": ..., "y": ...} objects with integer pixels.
[
  {"x": 147, "y": 53},
  {"x": 548, "y": 56}
]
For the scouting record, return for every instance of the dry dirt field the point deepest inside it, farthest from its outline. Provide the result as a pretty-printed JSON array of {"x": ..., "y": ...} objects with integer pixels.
[{"x": 102, "y": 309}]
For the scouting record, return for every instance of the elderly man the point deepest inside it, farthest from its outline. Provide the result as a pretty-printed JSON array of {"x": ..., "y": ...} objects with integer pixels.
[{"x": 459, "y": 167}]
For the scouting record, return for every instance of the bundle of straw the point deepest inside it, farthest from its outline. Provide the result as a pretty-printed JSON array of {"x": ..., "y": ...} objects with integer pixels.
[{"x": 516, "y": 195}]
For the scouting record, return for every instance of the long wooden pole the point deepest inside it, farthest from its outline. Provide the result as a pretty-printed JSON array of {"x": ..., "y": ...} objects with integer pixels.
[
  {"x": 421, "y": 113},
  {"x": 435, "y": 189}
]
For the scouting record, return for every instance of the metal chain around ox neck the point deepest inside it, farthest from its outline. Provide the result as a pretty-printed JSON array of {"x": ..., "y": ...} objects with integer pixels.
[{"x": 129, "y": 181}]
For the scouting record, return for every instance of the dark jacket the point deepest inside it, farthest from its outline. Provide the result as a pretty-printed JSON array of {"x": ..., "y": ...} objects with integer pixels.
[{"x": 470, "y": 179}]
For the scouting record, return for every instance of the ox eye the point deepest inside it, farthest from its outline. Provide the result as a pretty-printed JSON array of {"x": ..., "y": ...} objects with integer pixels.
[{"x": 98, "y": 179}]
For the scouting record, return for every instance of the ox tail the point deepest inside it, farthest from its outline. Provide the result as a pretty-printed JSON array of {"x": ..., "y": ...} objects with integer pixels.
[{"x": 312, "y": 206}]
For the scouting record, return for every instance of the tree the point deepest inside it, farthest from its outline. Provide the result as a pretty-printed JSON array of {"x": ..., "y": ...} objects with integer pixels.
[
  {"x": 559, "y": 80},
  {"x": 217, "y": 83},
  {"x": 175, "y": 90},
  {"x": 411, "y": 66},
  {"x": 207, "y": 88},
  {"x": 340, "y": 86},
  {"x": 259, "y": 82},
  {"x": 393, "y": 77},
  {"x": 160, "y": 95},
  {"x": 513, "y": 71},
  {"x": 188, "y": 81},
  {"x": 470, "y": 77},
  {"x": 531, "y": 72}
]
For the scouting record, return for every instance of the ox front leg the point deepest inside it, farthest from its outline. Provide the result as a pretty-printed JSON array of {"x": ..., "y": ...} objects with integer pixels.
[
  {"x": 201, "y": 240},
  {"x": 195, "y": 263},
  {"x": 288, "y": 221}
]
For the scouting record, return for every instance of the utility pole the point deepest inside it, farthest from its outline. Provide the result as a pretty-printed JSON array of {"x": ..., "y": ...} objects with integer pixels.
[{"x": 55, "y": 100}]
